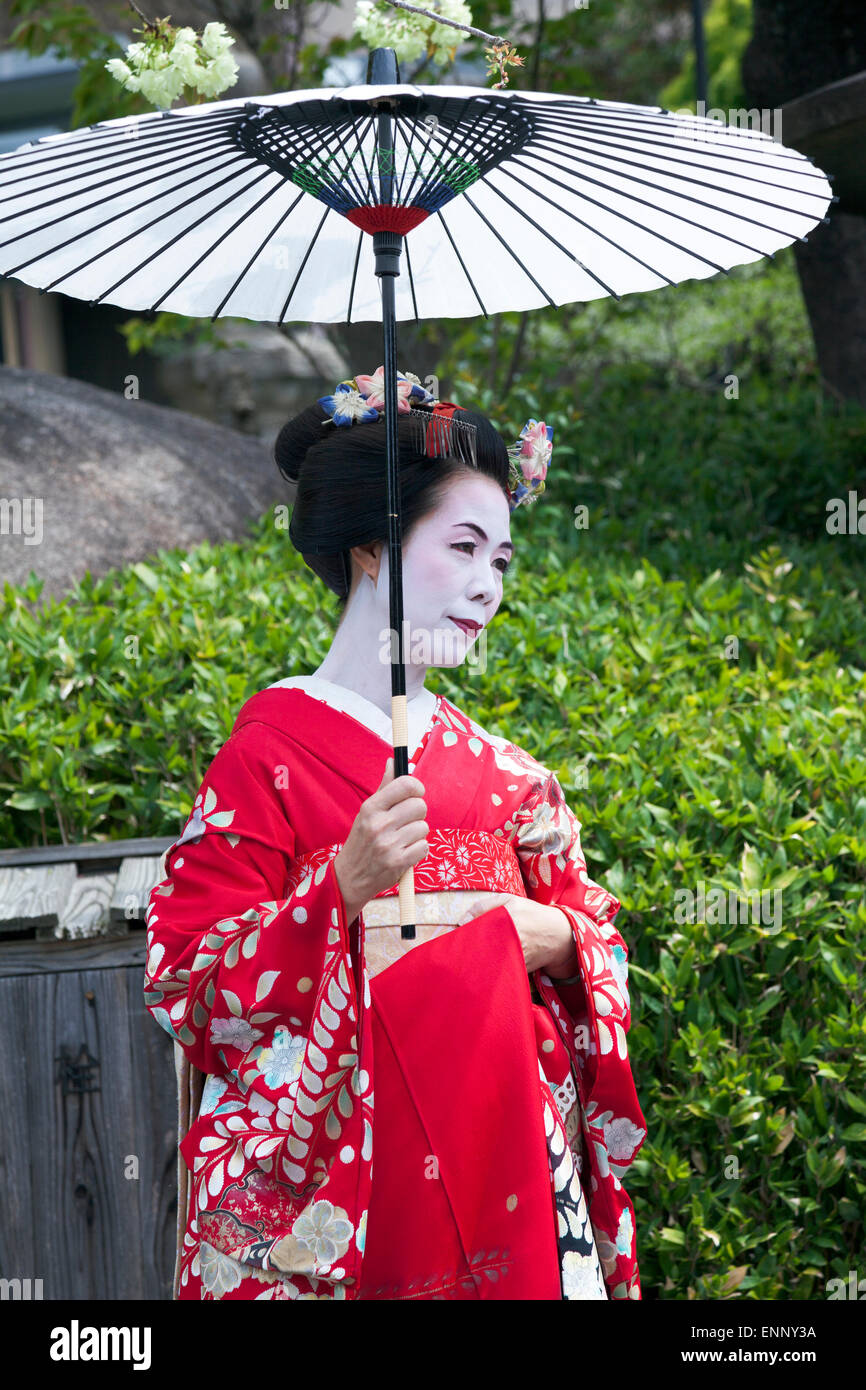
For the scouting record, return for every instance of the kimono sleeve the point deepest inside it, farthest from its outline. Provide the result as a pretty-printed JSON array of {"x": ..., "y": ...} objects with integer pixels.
[
  {"x": 593, "y": 1016},
  {"x": 237, "y": 968},
  {"x": 554, "y": 868}
]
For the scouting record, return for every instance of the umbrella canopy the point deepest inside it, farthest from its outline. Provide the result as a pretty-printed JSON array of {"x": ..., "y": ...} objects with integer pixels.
[{"x": 261, "y": 208}]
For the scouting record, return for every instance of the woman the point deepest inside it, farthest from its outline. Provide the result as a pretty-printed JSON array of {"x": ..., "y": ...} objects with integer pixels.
[{"x": 442, "y": 1118}]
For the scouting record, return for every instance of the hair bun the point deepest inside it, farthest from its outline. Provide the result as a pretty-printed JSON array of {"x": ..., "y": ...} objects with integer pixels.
[{"x": 296, "y": 437}]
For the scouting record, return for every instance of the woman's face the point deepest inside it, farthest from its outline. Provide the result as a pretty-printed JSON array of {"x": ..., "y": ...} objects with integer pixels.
[{"x": 453, "y": 563}]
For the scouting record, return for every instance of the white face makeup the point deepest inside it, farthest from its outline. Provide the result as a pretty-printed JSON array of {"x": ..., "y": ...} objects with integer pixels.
[{"x": 453, "y": 563}]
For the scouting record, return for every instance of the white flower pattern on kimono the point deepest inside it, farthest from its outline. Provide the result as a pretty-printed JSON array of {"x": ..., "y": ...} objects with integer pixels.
[
  {"x": 281, "y": 1064},
  {"x": 233, "y": 1032},
  {"x": 622, "y": 1138},
  {"x": 325, "y": 1230},
  {"x": 219, "y": 1273},
  {"x": 204, "y": 815},
  {"x": 625, "y": 1233},
  {"x": 214, "y": 1087}
]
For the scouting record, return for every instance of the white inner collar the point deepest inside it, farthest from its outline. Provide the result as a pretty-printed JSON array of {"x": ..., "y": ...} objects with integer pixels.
[{"x": 420, "y": 709}]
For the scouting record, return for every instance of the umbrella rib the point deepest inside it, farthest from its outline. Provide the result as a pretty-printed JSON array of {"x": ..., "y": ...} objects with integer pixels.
[
  {"x": 260, "y": 248},
  {"x": 411, "y": 278},
  {"x": 455, "y": 151},
  {"x": 165, "y": 166},
  {"x": 573, "y": 215},
  {"x": 416, "y": 158},
  {"x": 331, "y": 127},
  {"x": 726, "y": 236},
  {"x": 205, "y": 138},
  {"x": 605, "y": 207},
  {"x": 549, "y": 235},
  {"x": 64, "y": 216},
  {"x": 355, "y": 184},
  {"x": 700, "y": 183},
  {"x": 655, "y": 125},
  {"x": 303, "y": 263},
  {"x": 160, "y": 249},
  {"x": 511, "y": 253},
  {"x": 108, "y": 143},
  {"x": 248, "y": 212},
  {"x": 354, "y": 275},
  {"x": 363, "y": 193},
  {"x": 632, "y": 140},
  {"x": 464, "y": 268}
]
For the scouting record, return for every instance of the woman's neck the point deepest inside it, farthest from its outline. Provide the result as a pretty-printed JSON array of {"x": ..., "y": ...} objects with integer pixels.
[{"x": 358, "y": 657}]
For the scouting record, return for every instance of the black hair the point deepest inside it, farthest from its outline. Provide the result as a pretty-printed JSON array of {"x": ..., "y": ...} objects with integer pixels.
[{"x": 340, "y": 473}]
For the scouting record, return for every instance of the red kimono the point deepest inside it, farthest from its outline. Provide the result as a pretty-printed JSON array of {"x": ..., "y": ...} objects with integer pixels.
[{"x": 446, "y": 1130}]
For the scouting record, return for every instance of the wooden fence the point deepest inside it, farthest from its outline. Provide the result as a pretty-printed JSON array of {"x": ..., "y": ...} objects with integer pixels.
[{"x": 88, "y": 1196}]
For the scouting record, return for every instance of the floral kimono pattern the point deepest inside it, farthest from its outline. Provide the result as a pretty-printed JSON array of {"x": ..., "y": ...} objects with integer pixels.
[{"x": 498, "y": 1145}]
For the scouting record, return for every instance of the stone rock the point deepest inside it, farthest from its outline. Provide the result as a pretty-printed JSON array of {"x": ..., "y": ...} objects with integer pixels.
[{"x": 90, "y": 480}]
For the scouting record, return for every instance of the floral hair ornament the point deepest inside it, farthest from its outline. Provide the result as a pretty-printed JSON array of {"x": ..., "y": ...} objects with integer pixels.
[
  {"x": 529, "y": 459},
  {"x": 360, "y": 399}
]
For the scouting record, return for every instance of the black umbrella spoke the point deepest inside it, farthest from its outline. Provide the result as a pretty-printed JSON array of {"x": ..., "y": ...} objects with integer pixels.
[
  {"x": 209, "y": 250},
  {"x": 84, "y": 142},
  {"x": 361, "y": 236},
  {"x": 167, "y": 166},
  {"x": 641, "y": 226},
  {"x": 671, "y": 174},
  {"x": 727, "y": 153},
  {"x": 88, "y": 231},
  {"x": 417, "y": 159},
  {"x": 346, "y": 174},
  {"x": 665, "y": 122},
  {"x": 463, "y": 266},
  {"x": 538, "y": 227},
  {"x": 201, "y": 139},
  {"x": 679, "y": 216},
  {"x": 259, "y": 249},
  {"x": 363, "y": 193},
  {"x": 411, "y": 280},
  {"x": 566, "y": 212},
  {"x": 137, "y": 231},
  {"x": 307, "y": 253},
  {"x": 512, "y": 253},
  {"x": 658, "y": 188}
]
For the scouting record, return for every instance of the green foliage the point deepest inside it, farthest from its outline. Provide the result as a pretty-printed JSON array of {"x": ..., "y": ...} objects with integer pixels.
[
  {"x": 727, "y": 30},
  {"x": 70, "y": 31},
  {"x": 166, "y": 334}
]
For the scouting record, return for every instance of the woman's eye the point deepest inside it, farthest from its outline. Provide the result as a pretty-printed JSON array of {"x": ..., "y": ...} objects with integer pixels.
[{"x": 461, "y": 545}]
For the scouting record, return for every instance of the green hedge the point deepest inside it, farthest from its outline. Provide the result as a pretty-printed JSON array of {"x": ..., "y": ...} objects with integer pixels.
[{"x": 611, "y": 661}]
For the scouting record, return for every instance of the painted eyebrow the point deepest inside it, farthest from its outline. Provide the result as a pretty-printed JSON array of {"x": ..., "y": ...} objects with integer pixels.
[{"x": 505, "y": 545}]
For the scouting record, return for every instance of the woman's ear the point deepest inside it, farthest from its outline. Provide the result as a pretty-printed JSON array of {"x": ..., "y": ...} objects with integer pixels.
[{"x": 369, "y": 557}]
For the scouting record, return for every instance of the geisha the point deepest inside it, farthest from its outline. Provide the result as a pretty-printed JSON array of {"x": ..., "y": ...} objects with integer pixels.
[{"x": 447, "y": 1117}]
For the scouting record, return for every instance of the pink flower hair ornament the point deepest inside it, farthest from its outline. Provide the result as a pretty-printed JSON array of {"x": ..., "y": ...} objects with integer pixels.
[
  {"x": 362, "y": 398},
  {"x": 529, "y": 461}
]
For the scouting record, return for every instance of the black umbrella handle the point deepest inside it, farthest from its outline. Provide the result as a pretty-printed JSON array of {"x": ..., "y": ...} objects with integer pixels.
[{"x": 387, "y": 248}]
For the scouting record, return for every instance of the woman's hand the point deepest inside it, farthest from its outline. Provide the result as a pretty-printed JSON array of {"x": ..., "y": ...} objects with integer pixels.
[
  {"x": 545, "y": 932},
  {"x": 387, "y": 836}
]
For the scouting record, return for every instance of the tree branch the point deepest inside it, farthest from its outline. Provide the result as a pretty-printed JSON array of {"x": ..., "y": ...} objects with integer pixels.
[{"x": 494, "y": 39}]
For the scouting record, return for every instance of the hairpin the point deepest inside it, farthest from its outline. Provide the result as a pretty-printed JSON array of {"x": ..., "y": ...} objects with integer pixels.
[{"x": 360, "y": 399}]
